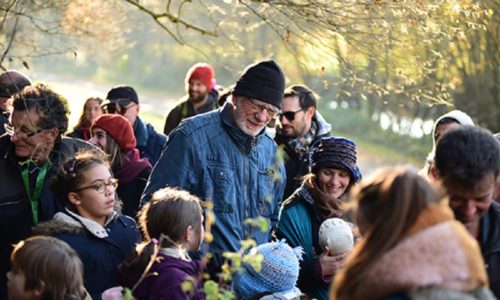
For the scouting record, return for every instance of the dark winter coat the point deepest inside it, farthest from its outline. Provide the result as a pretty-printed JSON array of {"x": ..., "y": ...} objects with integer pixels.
[
  {"x": 297, "y": 166},
  {"x": 15, "y": 210},
  {"x": 100, "y": 248},
  {"x": 185, "y": 109},
  {"x": 490, "y": 246}
]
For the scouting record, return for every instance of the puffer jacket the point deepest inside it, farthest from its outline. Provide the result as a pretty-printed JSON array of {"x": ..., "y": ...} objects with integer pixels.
[
  {"x": 100, "y": 248},
  {"x": 209, "y": 156}
]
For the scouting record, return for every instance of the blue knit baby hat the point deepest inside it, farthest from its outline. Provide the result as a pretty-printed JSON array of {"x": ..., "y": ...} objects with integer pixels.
[{"x": 279, "y": 271}]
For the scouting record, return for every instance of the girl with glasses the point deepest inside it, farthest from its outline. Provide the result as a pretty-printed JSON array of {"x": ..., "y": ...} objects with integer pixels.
[{"x": 89, "y": 224}]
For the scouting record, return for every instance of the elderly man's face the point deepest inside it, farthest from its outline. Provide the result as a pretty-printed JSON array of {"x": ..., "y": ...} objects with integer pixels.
[
  {"x": 252, "y": 115},
  {"x": 470, "y": 203},
  {"x": 29, "y": 140}
]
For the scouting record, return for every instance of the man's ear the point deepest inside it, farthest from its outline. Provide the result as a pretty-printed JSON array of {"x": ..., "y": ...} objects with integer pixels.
[
  {"x": 310, "y": 111},
  {"x": 74, "y": 199}
]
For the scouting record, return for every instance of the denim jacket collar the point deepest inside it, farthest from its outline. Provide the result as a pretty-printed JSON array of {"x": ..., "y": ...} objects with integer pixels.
[{"x": 244, "y": 141}]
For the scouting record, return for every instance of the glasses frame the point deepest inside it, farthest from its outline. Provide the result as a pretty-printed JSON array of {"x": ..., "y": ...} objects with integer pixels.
[
  {"x": 289, "y": 115},
  {"x": 112, "y": 182},
  {"x": 271, "y": 113},
  {"x": 11, "y": 131}
]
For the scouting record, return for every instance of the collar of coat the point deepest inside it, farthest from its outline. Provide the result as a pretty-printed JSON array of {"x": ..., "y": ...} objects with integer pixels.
[{"x": 78, "y": 221}]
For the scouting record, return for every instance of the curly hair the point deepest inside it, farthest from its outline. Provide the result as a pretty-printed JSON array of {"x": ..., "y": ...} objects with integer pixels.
[{"x": 51, "y": 106}]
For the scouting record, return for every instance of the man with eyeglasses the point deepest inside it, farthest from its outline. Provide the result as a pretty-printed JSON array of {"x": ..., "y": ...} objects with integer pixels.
[
  {"x": 31, "y": 151},
  {"x": 123, "y": 100},
  {"x": 11, "y": 82},
  {"x": 226, "y": 156},
  {"x": 299, "y": 126}
]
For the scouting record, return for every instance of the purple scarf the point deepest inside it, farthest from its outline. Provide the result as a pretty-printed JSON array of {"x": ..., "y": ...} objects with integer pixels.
[{"x": 133, "y": 166}]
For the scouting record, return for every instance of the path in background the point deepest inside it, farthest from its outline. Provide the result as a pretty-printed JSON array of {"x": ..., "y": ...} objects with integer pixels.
[{"x": 155, "y": 107}]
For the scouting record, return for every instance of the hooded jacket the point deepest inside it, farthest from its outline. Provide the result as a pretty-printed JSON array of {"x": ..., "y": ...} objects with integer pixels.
[
  {"x": 209, "y": 156},
  {"x": 100, "y": 248},
  {"x": 297, "y": 166}
]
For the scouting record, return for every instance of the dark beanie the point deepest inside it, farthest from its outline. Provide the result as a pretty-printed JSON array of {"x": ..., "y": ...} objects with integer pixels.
[
  {"x": 119, "y": 128},
  {"x": 11, "y": 82},
  {"x": 337, "y": 153},
  {"x": 263, "y": 81},
  {"x": 122, "y": 92}
]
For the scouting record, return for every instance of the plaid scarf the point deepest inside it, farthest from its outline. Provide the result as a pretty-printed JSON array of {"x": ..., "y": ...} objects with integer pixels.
[{"x": 301, "y": 145}]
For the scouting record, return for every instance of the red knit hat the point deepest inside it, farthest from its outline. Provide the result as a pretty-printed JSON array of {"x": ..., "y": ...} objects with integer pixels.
[
  {"x": 119, "y": 128},
  {"x": 202, "y": 72}
]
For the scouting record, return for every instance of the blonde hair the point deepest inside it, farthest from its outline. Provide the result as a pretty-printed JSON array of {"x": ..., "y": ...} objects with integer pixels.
[
  {"x": 386, "y": 206},
  {"x": 47, "y": 260}
]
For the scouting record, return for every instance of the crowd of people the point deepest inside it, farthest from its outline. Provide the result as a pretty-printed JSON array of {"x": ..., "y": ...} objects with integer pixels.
[{"x": 111, "y": 207}]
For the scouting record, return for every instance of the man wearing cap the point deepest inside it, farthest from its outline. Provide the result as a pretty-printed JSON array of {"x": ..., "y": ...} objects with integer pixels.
[
  {"x": 467, "y": 165},
  {"x": 227, "y": 157},
  {"x": 299, "y": 126},
  {"x": 202, "y": 96},
  {"x": 123, "y": 100},
  {"x": 11, "y": 82}
]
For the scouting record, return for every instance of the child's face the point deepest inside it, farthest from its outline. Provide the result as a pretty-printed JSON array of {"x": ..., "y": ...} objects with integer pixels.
[
  {"x": 91, "y": 202},
  {"x": 15, "y": 287},
  {"x": 199, "y": 235}
]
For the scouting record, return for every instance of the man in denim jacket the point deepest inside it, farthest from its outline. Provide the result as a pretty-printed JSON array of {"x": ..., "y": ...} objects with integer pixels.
[{"x": 226, "y": 157}]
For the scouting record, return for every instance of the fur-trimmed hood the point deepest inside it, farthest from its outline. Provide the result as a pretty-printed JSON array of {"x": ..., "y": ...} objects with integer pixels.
[
  {"x": 70, "y": 222},
  {"x": 437, "y": 252}
]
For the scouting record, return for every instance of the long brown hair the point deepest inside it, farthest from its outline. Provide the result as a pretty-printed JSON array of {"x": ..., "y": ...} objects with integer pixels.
[
  {"x": 83, "y": 121},
  {"x": 54, "y": 263},
  {"x": 164, "y": 219},
  {"x": 387, "y": 205}
]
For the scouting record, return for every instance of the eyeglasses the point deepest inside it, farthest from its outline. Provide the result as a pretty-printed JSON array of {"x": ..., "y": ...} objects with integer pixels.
[
  {"x": 11, "y": 131},
  {"x": 100, "y": 185},
  {"x": 290, "y": 115},
  {"x": 271, "y": 112},
  {"x": 119, "y": 106}
]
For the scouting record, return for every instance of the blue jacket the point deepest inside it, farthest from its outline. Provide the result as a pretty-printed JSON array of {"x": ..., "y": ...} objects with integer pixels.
[
  {"x": 209, "y": 156},
  {"x": 299, "y": 223},
  {"x": 101, "y": 249},
  {"x": 149, "y": 142}
]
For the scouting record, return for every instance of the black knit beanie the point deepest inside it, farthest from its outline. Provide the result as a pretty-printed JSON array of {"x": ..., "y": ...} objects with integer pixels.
[{"x": 263, "y": 81}]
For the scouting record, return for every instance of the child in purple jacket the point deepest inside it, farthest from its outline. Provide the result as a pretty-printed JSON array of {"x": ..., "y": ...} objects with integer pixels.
[{"x": 172, "y": 225}]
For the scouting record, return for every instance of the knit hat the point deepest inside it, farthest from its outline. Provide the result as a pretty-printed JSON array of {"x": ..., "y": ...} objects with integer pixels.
[
  {"x": 337, "y": 235},
  {"x": 332, "y": 152},
  {"x": 11, "y": 82},
  {"x": 263, "y": 81},
  {"x": 119, "y": 128},
  {"x": 122, "y": 95},
  {"x": 202, "y": 72},
  {"x": 459, "y": 116},
  {"x": 279, "y": 270}
]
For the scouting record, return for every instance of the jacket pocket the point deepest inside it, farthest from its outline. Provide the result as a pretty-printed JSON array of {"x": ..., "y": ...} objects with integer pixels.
[
  {"x": 266, "y": 192},
  {"x": 222, "y": 184},
  {"x": 12, "y": 208}
]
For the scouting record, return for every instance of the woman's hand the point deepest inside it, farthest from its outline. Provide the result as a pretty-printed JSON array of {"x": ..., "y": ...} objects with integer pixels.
[{"x": 330, "y": 264}]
